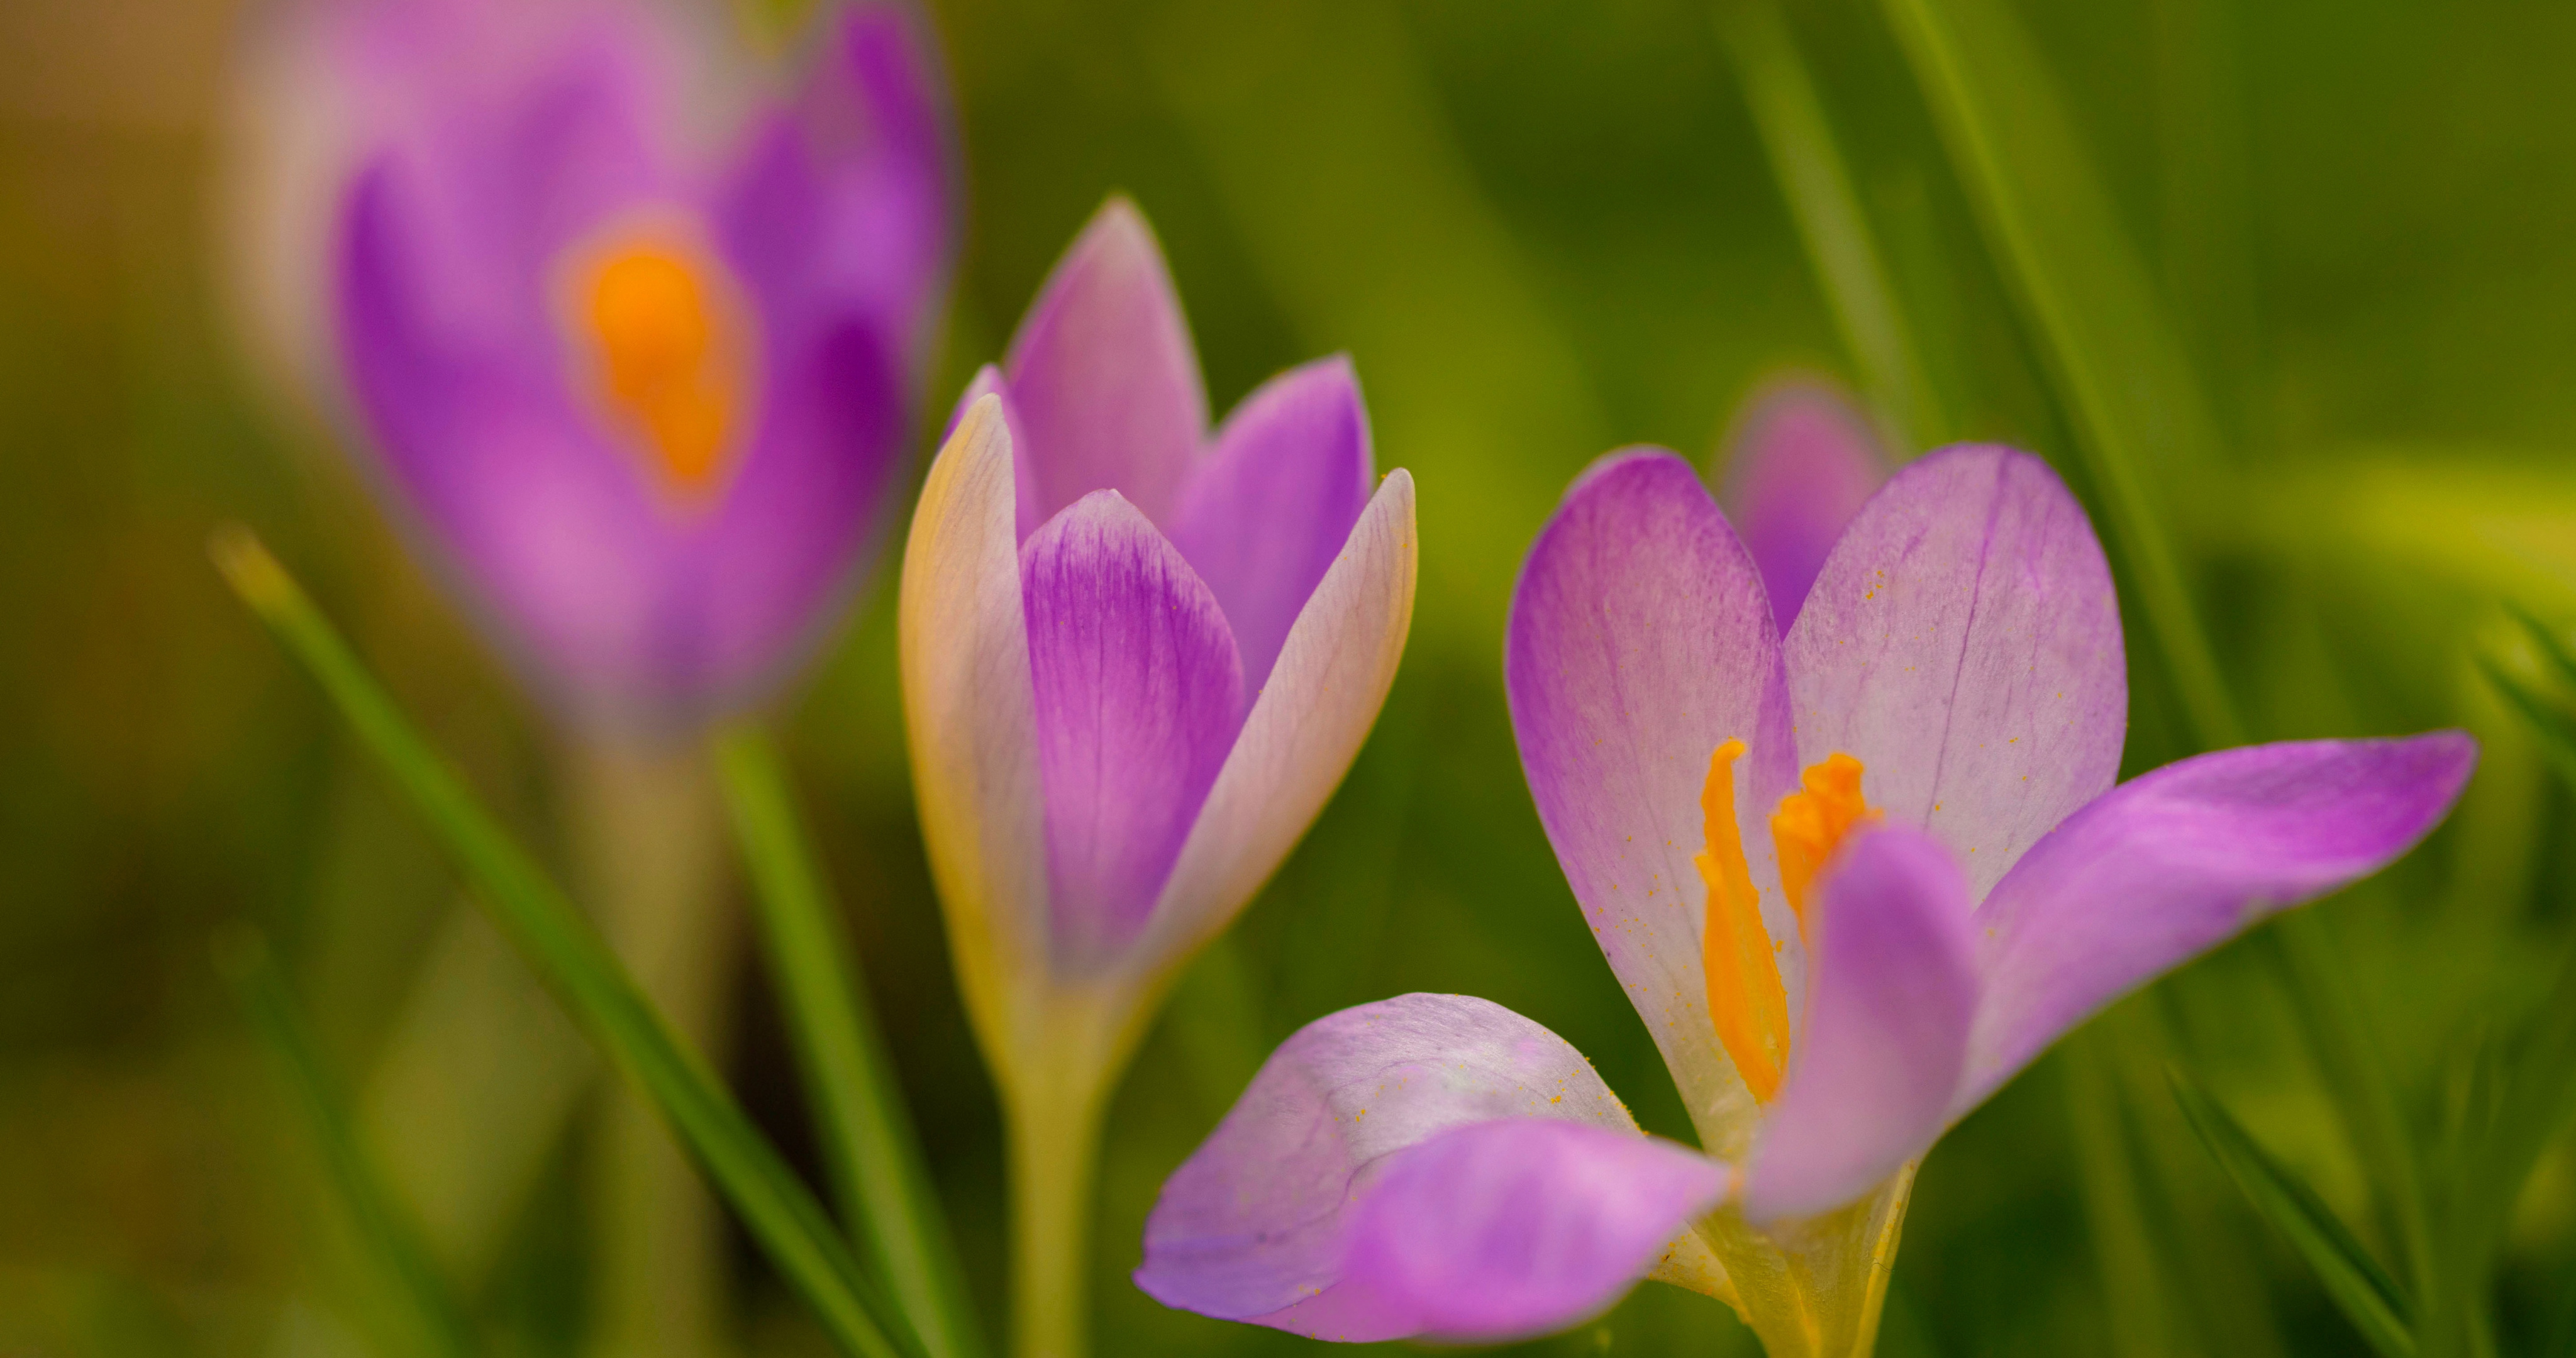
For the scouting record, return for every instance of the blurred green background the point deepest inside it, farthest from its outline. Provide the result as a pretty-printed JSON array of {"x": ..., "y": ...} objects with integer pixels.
[{"x": 1542, "y": 231}]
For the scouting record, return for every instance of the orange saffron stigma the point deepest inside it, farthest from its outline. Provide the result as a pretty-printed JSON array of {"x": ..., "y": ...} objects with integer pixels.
[
  {"x": 1745, "y": 999},
  {"x": 666, "y": 352},
  {"x": 1811, "y": 824}
]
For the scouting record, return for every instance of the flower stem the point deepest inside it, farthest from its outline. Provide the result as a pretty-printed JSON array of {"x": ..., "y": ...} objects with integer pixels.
[{"x": 1055, "y": 1145}]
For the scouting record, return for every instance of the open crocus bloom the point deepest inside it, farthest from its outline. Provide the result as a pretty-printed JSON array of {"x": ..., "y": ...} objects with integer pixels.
[
  {"x": 646, "y": 398},
  {"x": 1853, "y": 879},
  {"x": 1136, "y": 657}
]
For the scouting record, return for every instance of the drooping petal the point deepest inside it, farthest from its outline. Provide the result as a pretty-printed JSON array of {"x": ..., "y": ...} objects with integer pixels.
[
  {"x": 1267, "y": 512},
  {"x": 970, "y": 712},
  {"x": 1271, "y": 1219},
  {"x": 2180, "y": 860},
  {"x": 1640, "y": 641},
  {"x": 1103, "y": 377},
  {"x": 1886, "y": 1031},
  {"x": 1139, "y": 694},
  {"x": 1501, "y": 1230},
  {"x": 1963, "y": 643},
  {"x": 1305, "y": 728},
  {"x": 1801, "y": 463}
]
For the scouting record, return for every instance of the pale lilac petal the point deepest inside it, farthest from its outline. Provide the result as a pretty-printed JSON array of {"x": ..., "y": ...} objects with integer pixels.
[
  {"x": 1886, "y": 1032},
  {"x": 2174, "y": 863},
  {"x": 1801, "y": 463},
  {"x": 1139, "y": 695},
  {"x": 971, "y": 717},
  {"x": 1263, "y": 1216},
  {"x": 1103, "y": 376},
  {"x": 1305, "y": 728},
  {"x": 1266, "y": 513},
  {"x": 1963, "y": 643},
  {"x": 1640, "y": 641},
  {"x": 988, "y": 381},
  {"x": 1505, "y": 1229}
]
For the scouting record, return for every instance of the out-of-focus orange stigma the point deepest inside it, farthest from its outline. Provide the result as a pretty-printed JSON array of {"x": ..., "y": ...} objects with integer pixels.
[
  {"x": 668, "y": 354},
  {"x": 1811, "y": 824},
  {"x": 1745, "y": 998}
]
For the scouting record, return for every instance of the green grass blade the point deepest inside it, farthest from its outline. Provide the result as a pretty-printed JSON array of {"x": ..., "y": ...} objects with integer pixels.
[
  {"x": 2137, "y": 412},
  {"x": 437, "y": 1320},
  {"x": 2365, "y": 1293},
  {"x": 2553, "y": 650},
  {"x": 2554, "y": 725},
  {"x": 1809, "y": 167},
  {"x": 2115, "y": 363},
  {"x": 867, "y": 1139},
  {"x": 569, "y": 955}
]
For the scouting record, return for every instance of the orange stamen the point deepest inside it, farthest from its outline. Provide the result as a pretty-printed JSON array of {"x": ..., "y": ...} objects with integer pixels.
[
  {"x": 1811, "y": 824},
  {"x": 1745, "y": 998},
  {"x": 667, "y": 353}
]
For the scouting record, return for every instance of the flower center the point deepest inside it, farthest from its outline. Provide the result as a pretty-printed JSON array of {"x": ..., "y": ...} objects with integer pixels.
[
  {"x": 668, "y": 355},
  {"x": 1746, "y": 1001}
]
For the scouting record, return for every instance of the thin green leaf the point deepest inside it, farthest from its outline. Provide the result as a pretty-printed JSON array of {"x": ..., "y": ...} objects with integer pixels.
[
  {"x": 868, "y": 1142},
  {"x": 569, "y": 955},
  {"x": 436, "y": 1321},
  {"x": 2120, "y": 372},
  {"x": 2365, "y": 1293},
  {"x": 1809, "y": 167},
  {"x": 2138, "y": 416},
  {"x": 2554, "y": 725},
  {"x": 2544, "y": 639}
]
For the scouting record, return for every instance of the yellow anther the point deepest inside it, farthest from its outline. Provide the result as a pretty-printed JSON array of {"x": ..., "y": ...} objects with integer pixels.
[
  {"x": 668, "y": 356},
  {"x": 1745, "y": 998},
  {"x": 1811, "y": 823}
]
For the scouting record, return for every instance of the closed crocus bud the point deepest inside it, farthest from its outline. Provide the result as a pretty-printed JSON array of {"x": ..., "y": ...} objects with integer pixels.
[{"x": 634, "y": 340}]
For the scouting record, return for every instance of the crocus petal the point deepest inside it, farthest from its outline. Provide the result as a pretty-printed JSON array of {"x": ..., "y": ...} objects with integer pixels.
[
  {"x": 1139, "y": 693},
  {"x": 1267, "y": 512},
  {"x": 1103, "y": 377},
  {"x": 1272, "y": 1220},
  {"x": 2176, "y": 862},
  {"x": 1963, "y": 643},
  {"x": 1305, "y": 728},
  {"x": 1640, "y": 641},
  {"x": 1802, "y": 462},
  {"x": 1886, "y": 1029},
  {"x": 1505, "y": 1229},
  {"x": 971, "y": 713},
  {"x": 840, "y": 210}
]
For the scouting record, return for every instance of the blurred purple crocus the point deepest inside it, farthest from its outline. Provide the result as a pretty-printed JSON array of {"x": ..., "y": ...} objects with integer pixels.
[
  {"x": 1950, "y": 885},
  {"x": 1799, "y": 463},
  {"x": 1137, "y": 658},
  {"x": 638, "y": 343}
]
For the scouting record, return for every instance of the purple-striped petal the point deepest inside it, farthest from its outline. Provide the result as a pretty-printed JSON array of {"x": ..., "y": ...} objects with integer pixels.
[
  {"x": 1267, "y": 511},
  {"x": 1103, "y": 375},
  {"x": 1305, "y": 727},
  {"x": 1139, "y": 695},
  {"x": 1800, "y": 465},
  {"x": 1266, "y": 1220},
  {"x": 1640, "y": 641},
  {"x": 2172, "y": 864},
  {"x": 1502, "y": 1230},
  {"x": 1886, "y": 1031},
  {"x": 1963, "y": 643}
]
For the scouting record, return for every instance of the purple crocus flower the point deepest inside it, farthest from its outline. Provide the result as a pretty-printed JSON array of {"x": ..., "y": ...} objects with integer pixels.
[
  {"x": 1799, "y": 464},
  {"x": 1951, "y": 884},
  {"x": 638, "y": 345},
  {"x": 1137, "y": 657}
]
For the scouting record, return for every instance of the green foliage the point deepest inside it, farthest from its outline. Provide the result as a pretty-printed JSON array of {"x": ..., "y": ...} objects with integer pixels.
[
  {"x": 2368, "y": 1297},
  {"x": 572, "y": 959}
]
